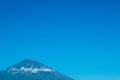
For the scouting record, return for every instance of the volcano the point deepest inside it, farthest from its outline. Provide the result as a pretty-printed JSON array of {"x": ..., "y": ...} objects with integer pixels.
[{"x": 29, "y": 69}]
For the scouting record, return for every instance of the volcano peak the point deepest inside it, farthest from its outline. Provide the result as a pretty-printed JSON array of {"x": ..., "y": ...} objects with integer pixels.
[{"x": 30, "y": 69}]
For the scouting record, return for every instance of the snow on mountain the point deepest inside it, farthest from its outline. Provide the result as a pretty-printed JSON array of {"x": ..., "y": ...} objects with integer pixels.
[{"x": 29, "y": 69}]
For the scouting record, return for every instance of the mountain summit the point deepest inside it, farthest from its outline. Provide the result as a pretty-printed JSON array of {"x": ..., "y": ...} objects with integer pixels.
[{"x": 30, "y": 69}]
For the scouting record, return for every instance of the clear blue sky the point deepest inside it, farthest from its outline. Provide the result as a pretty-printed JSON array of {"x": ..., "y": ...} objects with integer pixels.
[{"x": 80, "y": 38}]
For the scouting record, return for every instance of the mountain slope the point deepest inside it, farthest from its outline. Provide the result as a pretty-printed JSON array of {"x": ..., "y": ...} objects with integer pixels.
[{"x": 31, "y": 70}]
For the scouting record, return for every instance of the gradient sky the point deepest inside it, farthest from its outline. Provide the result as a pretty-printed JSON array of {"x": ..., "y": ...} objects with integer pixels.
[{"x": 80, "y": 38}]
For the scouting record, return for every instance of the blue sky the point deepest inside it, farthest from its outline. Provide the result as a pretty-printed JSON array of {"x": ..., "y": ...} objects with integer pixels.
[{"x": 80, "y": 38}]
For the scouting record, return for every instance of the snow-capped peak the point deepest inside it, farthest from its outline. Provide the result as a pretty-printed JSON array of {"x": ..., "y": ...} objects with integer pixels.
[
  {"x": 30, "y": 69},
  {"x": 35, "y": 70}
]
